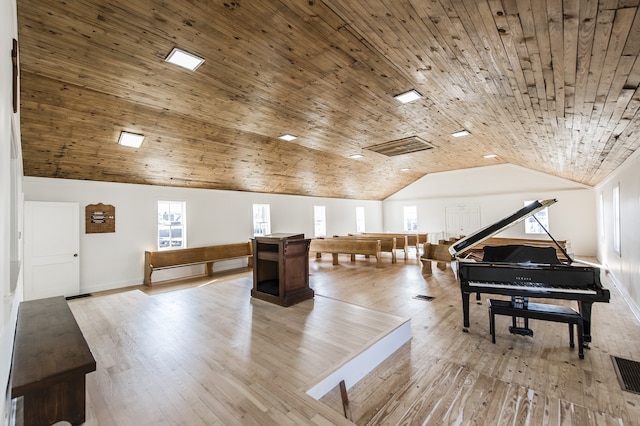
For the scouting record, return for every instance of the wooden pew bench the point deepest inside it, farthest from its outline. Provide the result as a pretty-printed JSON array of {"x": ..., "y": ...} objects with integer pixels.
[
  {"x": 50, "y": 361},
  {"x": 155, "y": 260},
  {"x": 404, "y": 241},
  {"x": 387, "y": 244},
  {"x": 421, "y": 240},
  {"x": 438, "y": 253},
  {"x": 337, "y": 246}
]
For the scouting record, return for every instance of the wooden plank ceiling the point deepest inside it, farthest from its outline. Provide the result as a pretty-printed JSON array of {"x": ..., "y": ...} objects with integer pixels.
[{"x": 550, "y": 85}]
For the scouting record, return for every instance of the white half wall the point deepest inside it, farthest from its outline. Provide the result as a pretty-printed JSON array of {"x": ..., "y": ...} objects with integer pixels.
[
  {"x": 499, "y": 191},
  {"x": 115, "y": 260}
]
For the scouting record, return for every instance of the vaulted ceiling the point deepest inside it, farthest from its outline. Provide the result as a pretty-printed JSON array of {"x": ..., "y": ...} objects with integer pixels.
[{"x": 550, "y": 85}]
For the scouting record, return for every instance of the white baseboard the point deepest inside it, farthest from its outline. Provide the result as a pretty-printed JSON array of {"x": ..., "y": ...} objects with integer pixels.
[{"x": 635, "y": 309}]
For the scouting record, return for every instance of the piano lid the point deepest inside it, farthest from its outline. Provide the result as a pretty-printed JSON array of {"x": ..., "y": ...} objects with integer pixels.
[{"x": 495, "y": 228}]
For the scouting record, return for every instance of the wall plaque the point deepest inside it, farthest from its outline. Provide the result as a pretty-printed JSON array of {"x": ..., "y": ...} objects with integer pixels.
[{"x": 100, "y": 218}]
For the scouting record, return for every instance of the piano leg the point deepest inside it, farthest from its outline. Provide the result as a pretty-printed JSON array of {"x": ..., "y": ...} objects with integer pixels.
[
  {"x": 465, "y": 311},
  {"x": 585, "y": 310},
  {"x": 478, "y": 301}
]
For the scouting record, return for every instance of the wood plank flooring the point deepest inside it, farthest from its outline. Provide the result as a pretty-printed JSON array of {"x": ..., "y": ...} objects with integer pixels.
[{"x": 205, "y": 353}]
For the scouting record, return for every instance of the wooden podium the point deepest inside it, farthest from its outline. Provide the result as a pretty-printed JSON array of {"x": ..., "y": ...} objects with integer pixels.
[{"x": 281, "y": 269}]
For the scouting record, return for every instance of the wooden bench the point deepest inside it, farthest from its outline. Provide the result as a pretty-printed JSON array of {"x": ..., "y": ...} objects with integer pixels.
[
  {"x": 422, "y": 239},
  {"x": 438, "y": 253},
  {"x": 50, "y": 361},
  {"x": 337, "y": 246},
  {"x": 154, "y": 260},
  {"x": 387, "y": 244},
  {"x": 404, "y": 241},
  {"x": 540, "y": 311}
]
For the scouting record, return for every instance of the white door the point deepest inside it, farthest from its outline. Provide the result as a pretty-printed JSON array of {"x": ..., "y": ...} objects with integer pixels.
[
  {"x": 453, "y": 222},
  {"x": 462, "y": 220},
  {"x": 51, "y": 249}
]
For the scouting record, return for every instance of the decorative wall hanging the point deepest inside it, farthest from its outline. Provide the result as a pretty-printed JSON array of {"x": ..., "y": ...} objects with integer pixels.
[{"x": 100, "y": 218}]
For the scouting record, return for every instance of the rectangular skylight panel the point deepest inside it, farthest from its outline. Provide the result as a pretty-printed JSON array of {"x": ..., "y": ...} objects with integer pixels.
[
  {"x": 410, "y": 96},
  {"x": 460, "y": 133},
  {"x": 184, "y": 59},
  {"x": 130, "y": 139},
  {"x": 288, "y": 137}
]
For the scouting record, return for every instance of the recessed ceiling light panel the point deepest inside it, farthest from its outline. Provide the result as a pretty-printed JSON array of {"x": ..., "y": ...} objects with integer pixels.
[
  {"x": 288, "y": 137},
  {"x": 460, "y": 133},
  {"x": 401, "y": 146},
  {"x": 132, "y": 140},
  {"x": 410, "y": 96},
  {"x": 356, "y": 156},
  {"x": 184, "y": 59},
  {"x": 490, "y": 156}
]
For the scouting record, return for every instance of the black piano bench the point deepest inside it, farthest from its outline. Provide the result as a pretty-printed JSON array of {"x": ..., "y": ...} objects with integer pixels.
[{"x": 539, "y": 311}]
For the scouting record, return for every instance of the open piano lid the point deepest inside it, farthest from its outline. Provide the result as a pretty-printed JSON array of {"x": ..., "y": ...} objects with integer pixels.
[{"x": 493, "y": 229}]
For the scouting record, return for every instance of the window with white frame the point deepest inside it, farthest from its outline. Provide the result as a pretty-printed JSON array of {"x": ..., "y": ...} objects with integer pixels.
[
  {"x": 533, "y": 226},
  {"x": 410, "y": 218},
  {"x": 616, "y": 218},
  {"x": 261, "y": 220},
  {"x": 360, "y": 219},
  {"x": 319, "y": 221},
  {"x": 172, "y": 225},
  {"x": 602, "y": 222}
]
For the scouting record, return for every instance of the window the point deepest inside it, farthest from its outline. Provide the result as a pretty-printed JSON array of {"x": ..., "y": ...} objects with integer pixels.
[
  {"x": 261, "y": 220},
  {"x": 410, "y": 218},
  {"x": 319, "y": 222},
  {"x": 602, "y": 222},
  {"x": 616, "y": 219},
  {"x": 531, "y": 225},
  {"x": 360, "y": 219},
  {"x": 172, "y": 225}
]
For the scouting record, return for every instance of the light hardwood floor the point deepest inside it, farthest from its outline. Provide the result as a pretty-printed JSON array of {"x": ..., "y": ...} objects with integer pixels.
[{"x": 205, "y": 353}]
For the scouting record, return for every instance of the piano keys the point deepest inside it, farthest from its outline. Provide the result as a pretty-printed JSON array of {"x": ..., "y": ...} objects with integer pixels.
[
  {"x": 540, "y": 289},
  {"x": 522, "y": 271}
]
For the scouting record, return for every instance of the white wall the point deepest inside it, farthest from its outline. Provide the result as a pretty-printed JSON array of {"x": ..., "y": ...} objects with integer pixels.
[
  {"x": 499, "y": 191},
  {"x": 10, "y": 201},
  {"x": 624, "y": 267},
  {"x": 115, "y": 260}
]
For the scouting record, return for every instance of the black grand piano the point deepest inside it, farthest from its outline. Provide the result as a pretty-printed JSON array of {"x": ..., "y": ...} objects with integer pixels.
[{"x": 522, "y": 271}]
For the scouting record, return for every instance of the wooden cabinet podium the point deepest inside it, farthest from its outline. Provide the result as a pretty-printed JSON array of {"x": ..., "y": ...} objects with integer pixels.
[{"x": 281, "y": 269}]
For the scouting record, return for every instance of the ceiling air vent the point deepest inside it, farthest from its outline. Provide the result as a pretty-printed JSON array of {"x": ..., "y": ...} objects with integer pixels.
[{"x": 401, "y": 146}]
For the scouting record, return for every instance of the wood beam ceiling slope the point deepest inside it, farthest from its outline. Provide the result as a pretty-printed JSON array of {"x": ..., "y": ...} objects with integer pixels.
[{"x": 550, "y": 85}]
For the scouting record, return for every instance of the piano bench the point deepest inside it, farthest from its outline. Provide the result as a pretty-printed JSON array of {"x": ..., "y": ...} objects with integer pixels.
[{"x": 539, "y": 311}]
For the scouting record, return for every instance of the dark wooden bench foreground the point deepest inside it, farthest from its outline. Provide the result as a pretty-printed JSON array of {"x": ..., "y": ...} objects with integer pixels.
[{"x": 50, "y": 361}]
